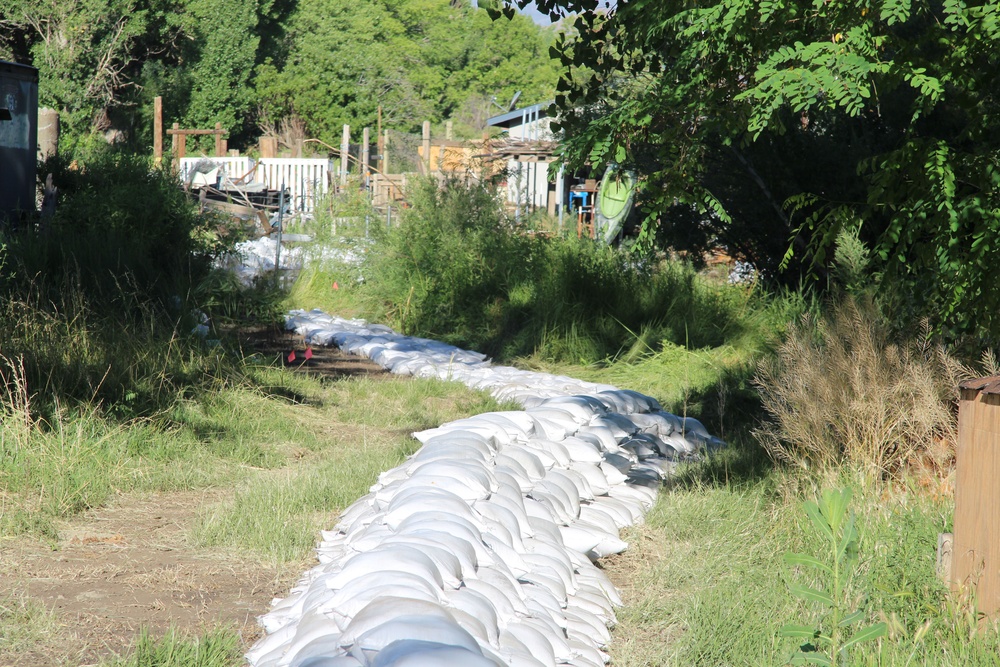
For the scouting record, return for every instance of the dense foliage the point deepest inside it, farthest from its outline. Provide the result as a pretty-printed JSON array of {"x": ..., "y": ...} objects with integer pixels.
[
  {"x": 255, "y": 63},
  {"x": 770, "y": 126}
]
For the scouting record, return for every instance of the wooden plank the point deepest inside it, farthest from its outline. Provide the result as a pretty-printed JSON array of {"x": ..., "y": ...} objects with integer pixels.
[
  {"x": 365, "y": 154},
  {"x": 176, "y": 130},
  {"x": 976, "y": 555},
  {"x": 345, "y": 145}
]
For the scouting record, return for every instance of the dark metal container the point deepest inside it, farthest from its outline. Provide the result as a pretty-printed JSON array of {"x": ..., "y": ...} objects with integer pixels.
[{"x": 18, "y": 138}]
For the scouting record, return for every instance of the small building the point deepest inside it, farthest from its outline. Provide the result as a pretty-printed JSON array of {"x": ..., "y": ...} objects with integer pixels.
[
  {"x": 528, "y": 148},
  {"x": 18, "y": 138}
]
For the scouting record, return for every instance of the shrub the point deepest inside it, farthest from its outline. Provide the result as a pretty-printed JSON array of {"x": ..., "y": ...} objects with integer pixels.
[
  {"x": 840, "y": 390},
  {"x": 457, "y": 268}
]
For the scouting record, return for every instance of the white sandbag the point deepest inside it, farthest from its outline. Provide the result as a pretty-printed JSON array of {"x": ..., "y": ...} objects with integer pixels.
[
  {"x": 387, "y": 559},
  {"x": 508, "y": 606},
  {"x": 501, "y": 514},
  {"x": 612, "y": 474},
  {"x": 596, "y": 479},
  {"x": 601, "y": 520},
  {"x": 599, "y": 435},
  {"x": 420, "y": 653},
  {"x": 508, "y": 507},
  {"x": 538, "y": 645},
  {"x": 376, "y": 584},
  {"x": 572, "y": 482},
  {"x": 581, "y": 451},
  {"x": 478, "y": 605},
  {"x": 525, "y": 457},
  {"x": 438, "y": 629},
  {"x": 330, "y": 661},
  {"x": 583, "y": 625}
]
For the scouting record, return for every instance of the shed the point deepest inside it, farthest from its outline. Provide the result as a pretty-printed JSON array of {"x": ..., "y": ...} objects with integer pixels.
[
  {"x": 18, "y": 138},
  {"x": 528, "y": 153}
]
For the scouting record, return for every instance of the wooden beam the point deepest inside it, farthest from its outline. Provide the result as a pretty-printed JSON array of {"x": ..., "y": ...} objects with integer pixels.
[
  {"x": 219, "y": 149},
  {"x": 345, "y": 145},
  {"x": 175, "y": 130},
  {"x": 158, "y": 129},
  {"x": 427, "y": 147},
  {"x": 365, "y": 154}
]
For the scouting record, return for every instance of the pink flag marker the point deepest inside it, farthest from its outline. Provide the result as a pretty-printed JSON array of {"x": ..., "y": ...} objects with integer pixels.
[
  {"x": 335, "y": 285},
  {"x": 309, "y": 353},
  {"x": 291, "y": 356}
]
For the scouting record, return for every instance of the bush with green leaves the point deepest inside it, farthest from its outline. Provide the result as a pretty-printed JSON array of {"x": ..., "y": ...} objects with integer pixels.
[{"x": 458, "y": 268}]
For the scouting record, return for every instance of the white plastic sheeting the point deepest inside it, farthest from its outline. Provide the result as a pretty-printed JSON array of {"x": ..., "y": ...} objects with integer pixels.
[{"x": 479, "y": 549}]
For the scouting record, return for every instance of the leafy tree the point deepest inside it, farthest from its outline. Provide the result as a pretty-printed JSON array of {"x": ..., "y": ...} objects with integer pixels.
[
  {"x": 780, "y": 122},
  {"x": 85, "y": 51},
  {"x": 418, "y": 59}
]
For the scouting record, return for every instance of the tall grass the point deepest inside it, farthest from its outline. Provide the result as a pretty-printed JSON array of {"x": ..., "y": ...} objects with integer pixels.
[
  {"x": 843, "y": 390},
  {"x": 458, "y": 269},
  {"x": 705, "y": 582},
  {"x": 219, "y": 648}
]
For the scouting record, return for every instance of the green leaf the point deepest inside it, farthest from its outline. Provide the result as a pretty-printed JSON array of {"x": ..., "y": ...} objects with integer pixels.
[
  {"x": 810, "y": 659},
  {"x": 869, "y": 633},
  {"x": 853, "y": 617},
  {"x": 810, "y": 594},
  {"x": 798, "y": 631},
  {"x": 794, "y": 559},
  {"x": 817, "y": 518}
]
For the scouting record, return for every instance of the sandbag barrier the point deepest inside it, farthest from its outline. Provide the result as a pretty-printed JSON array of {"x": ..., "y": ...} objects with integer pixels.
[{"x": 479, "y": 550}]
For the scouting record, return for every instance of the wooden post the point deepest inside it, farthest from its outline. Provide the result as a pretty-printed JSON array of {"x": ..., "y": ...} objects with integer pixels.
[
  {"x": 220, "y": 151},
  {"x": 268, "y": 147},
  {"x": 365, "y": 154},
  {"x": 427, "y": 147},
  {"x": 448, "y": 130},
  {"x": 223, "y": 146},
  {"x": 385, "y": 152},
  {"x": 157, "y": 130},
  {"x": 345, "y": 145},
  {"x": 976, "y": 555}
]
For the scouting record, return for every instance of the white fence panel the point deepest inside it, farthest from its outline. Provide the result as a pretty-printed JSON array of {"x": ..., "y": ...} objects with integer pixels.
[
  {"x": 305, "y": 178},
  {"x": 233, "y": 167}
]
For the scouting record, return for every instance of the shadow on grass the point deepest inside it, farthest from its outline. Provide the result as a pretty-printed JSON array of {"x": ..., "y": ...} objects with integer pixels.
[{"x": 730, "y": 409}]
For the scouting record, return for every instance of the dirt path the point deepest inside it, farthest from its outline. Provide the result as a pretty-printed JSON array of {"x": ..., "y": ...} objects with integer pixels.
[{"x": 129, "y": 566}]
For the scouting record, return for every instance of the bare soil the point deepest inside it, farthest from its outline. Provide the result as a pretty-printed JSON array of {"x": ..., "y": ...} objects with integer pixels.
[{"x": 129, "y": 566}]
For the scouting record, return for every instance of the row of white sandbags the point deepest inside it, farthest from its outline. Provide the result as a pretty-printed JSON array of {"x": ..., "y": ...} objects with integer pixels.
[
  {"x": 477, "y": 550},
  {"x": 422, "y": 357}
]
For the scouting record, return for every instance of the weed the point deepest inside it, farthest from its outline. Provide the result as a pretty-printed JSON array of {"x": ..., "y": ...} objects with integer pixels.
[
  {"x": 827, "y": 642},
  {"x": 842, "y": 391},
  {"x": 218, "y": 648}
]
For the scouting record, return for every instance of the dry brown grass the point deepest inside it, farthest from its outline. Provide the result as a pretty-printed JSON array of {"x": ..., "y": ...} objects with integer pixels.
[{"x": 842, "y": 391}]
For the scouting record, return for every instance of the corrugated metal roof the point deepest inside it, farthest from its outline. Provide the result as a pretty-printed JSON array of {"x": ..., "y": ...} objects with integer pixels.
[{"x": 510, "y": 118}]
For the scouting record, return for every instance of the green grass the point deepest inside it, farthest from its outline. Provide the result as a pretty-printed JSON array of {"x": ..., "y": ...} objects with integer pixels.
[
  {"x": 705, "y": 583},
  {"x": 24, "y": 624},
  {"x": 217, "y": 648},
  {"x": 278, "y": 514}
]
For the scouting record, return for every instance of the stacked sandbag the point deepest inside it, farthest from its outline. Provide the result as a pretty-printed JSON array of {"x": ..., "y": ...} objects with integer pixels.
[{"x": 480, "y": 548}]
